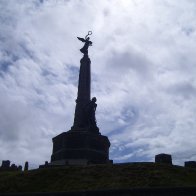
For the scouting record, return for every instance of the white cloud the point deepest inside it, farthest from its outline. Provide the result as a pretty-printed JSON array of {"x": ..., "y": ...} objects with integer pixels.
[{"x": 143, "y": 72}]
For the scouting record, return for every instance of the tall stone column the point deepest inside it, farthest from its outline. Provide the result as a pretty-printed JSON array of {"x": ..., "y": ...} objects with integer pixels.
[
  {"x": 83, "y": 98},
  {"x": 83, "y": 144}
]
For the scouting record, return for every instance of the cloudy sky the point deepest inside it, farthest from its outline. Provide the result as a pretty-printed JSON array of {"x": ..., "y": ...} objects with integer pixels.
[{"x": 143, "y": 75}]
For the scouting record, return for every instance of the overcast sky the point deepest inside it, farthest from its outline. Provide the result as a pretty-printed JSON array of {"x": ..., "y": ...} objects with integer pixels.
[{"x": 143, "y": 64}]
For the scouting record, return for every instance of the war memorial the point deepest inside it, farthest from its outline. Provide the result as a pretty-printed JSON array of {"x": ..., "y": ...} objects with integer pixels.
[{"x": 83, "y": 144}]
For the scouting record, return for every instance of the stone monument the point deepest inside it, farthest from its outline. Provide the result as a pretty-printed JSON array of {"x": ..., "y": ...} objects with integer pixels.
[
  {"x": 190, "y": 164},
  {"x": 5, "y": 164},
  {"x": 163, "y": 158},
  {"x": 83, "y": 144}
]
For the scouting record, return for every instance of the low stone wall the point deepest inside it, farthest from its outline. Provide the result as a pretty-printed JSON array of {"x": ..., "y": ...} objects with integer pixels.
[{"x": 191, "y": 191}]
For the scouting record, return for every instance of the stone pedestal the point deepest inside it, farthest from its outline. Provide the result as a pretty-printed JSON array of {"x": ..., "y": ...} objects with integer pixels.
[
  {"x": 163, "y": 158},
  {"x": 5, "y": 164},
  {"x": 80, "y": 148},
  {"x": 190, "y": 164}
]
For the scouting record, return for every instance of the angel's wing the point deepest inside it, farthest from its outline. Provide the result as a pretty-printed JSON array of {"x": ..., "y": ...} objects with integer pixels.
[{"x": 81, "y": 39}]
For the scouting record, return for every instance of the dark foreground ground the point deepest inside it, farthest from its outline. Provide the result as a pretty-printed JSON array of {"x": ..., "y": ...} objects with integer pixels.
[{"x": 98, "y": 177}]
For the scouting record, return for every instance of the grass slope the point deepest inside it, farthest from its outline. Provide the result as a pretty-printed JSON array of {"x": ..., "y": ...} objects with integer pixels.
[{"x": 95, "y": 177}]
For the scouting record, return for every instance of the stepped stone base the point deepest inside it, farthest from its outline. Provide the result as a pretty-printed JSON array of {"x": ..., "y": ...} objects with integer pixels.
[{"x": 80, "y": 148}]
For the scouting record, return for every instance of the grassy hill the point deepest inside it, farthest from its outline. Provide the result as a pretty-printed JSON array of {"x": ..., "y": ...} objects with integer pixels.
[{"x": 95, "y": 177}]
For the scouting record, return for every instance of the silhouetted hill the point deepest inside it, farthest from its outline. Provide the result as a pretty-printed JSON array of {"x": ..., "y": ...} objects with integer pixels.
[{"x": 95, "y": 177}]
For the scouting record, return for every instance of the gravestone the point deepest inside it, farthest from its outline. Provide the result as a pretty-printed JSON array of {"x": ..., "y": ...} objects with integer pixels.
[
  {"x": 13, "y": 167},
  {"x": 5, "y": 164},
  {"x": 83, "y": 144},
  {"x": 26, "y": 167},
  {"x": 190, "y": 164},
  {"x": 163, "y": 158},
  {"x": 19, "y": 168}
]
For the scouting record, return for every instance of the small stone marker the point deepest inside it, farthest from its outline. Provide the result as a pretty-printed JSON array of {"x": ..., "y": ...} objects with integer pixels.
[
  {"x": 190, "y": 164},
  {"x": 26, "y": 167},
  {"x": 13, "y": 167},
  {"x": 5, "y": 164},
  {"x": 163, "y": 158},
  {"x": 19, "y": 168}
]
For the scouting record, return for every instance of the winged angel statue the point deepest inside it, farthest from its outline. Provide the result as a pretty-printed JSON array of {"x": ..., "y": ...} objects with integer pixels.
[{"x": 87, "y": 42}]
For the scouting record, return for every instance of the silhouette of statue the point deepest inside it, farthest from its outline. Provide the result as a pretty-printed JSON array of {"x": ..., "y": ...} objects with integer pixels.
[
  {"x": 90, "y": 110},
  {"x": 87, "y": 41}
]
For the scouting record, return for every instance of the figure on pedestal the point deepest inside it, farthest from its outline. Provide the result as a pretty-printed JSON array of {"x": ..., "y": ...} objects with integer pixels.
[
  {"x": 90, "y": 112},
  {"x": 87, "y": 41}
]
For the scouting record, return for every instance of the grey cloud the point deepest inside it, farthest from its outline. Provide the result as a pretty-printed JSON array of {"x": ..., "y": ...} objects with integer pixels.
[
  {"x": 123, "y": 62},
  {"x": 186, "y": 90}
]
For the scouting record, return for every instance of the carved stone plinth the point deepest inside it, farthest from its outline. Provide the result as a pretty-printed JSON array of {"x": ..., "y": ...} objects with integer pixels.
[{"x": 83, "y": 147}]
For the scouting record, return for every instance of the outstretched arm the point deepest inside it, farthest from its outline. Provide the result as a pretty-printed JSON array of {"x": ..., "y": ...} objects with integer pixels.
[{"x": 81, "y": 39}]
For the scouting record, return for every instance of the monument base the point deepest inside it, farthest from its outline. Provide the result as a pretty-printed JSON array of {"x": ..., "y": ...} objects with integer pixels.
[{"x": 80, "y": 148}]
